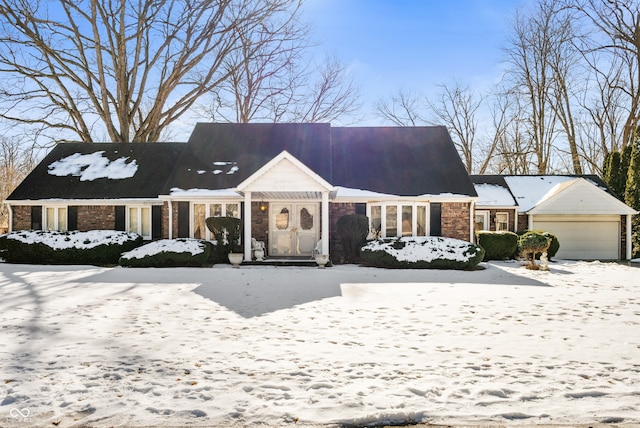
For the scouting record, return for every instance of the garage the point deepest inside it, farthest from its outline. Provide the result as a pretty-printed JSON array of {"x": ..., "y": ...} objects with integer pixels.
[
  {"x": 587, "y": 220},
  {"x": 583, "y": 237}
]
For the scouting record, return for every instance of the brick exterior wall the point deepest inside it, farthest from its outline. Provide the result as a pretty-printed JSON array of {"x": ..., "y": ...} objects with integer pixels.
[
  {"x": 523, "y": 222},
  {"x": 97, "y": 217},
  {"x": 455, "y": 220}
]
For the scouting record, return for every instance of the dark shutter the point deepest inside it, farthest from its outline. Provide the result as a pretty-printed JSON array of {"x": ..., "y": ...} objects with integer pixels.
[
  {"x": 183, "y": 219},
  {"x": 361, "y": 209},
  {"x": 120, "y": 218},
  {"x": 156, "y": 222},
  {"x": 36, "y": 217},
  {"x": 72, "y": 218},
  {"x": 435, "y": 209}
]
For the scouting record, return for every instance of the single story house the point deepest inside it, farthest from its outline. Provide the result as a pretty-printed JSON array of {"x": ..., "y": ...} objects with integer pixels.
[
  {"x": 588, "y": 220},
  {"x": 289, "y": 183}
]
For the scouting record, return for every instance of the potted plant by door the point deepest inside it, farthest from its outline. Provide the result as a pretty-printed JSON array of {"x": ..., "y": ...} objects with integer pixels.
[{"x": 227, "y": 232}]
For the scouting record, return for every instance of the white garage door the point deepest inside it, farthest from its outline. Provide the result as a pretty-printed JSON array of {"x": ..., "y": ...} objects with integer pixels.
[{"x": 595, "y": 238}]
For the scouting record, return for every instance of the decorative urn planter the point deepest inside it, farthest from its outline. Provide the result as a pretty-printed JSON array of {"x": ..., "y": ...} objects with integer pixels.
[
  {"x": 235, "y": 259},
  {"x": 259, "y": 254},
  {"x": 322, "y": 260}
]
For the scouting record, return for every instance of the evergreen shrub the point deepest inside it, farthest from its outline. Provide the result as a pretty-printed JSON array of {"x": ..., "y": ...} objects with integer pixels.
[
  {"x": 422, "y": 253},
  {"x": 101, "y": 248},
  {"x": 353, "y": 230},
  {"x": 501, "y": 245},
  {"x": 531, "y": 245},
  {"x": 227, "y": 232},
  {"x": 169, "y": 256}
]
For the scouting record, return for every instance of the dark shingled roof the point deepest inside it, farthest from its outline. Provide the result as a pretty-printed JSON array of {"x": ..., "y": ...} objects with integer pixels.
[
  {"x": 154, "y": 161},
  {"x": 394, "y": 160},
  {"x": 223, "y": 155},
  {"x": 405, "y": 161}
]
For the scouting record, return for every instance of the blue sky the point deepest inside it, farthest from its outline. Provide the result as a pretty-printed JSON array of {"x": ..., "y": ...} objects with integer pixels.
[{"x": 414, "y": 44}]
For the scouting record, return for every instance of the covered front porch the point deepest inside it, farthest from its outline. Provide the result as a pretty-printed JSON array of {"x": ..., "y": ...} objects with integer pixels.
[{"x": 294, "y": 201}]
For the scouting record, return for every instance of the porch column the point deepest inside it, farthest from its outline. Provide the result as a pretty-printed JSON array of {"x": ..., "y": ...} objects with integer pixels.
[
  {"x": 325, "y": 223},
  {"x": 629, "y": 244},
  {"x": 247, "y": 226}
]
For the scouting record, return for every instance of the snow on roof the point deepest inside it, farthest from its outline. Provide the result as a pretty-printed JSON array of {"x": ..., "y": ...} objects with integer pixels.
[
  {"x": 349, "y": 193},
  {"x": 346, "y": 192},
  {"x": 494, "y": 195},
  {"x": 530, "y": 190},
  {"x": 214, "y": 193},
  {"x": 92, "y": 166}
]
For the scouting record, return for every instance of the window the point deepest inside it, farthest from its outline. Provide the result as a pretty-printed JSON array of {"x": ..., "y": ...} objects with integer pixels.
[
  {"x": 139, "y": 221},
  {"x": 398, "y": 219},
  {"x": 376, "y": 221},
  {"x": 502, "y": 221},
  {"x": 481, "y": 220},
  {"x": 55, "y": 218},
  {"x": 202, "y": 211}
]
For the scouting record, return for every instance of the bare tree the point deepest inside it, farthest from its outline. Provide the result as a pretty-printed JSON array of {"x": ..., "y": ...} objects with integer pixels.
[
  {"x": 404, "y": 108},
  {"x": 501, "y": 120},
  {"x": 263, "y": 71},
  {"x": 456, "y": 108},
  {"x": 616, "y": 32},
  {"x": 332, "y": 96},
  {"x": 564, "y": 60},
  {"x": 17, "y": 159},
  {"x": 129, "y": 69},
  {"x": 532, "y": 76}
]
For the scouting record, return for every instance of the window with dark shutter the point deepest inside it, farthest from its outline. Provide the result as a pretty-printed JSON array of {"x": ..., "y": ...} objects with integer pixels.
[
  {"x": 156, "y": 222},
  {"x": 36, "y": 218},
  {"x": 436, "y": 219},
  {"x": 72, "y": 218},
  {"x": 183, "y": 219},
  {"x": 121, "y": 223}
]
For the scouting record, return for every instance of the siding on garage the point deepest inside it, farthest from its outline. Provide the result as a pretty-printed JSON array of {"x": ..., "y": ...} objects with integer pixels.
[{"x": 588, "y": 237}]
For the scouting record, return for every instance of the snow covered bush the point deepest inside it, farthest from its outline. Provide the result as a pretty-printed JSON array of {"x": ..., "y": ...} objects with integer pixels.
[
  {"x": 428, "y": 252},
  {"x": 501, "y": 245},
  {"x": 168, "y": 253},
  {"x": 95, "y": 247}
]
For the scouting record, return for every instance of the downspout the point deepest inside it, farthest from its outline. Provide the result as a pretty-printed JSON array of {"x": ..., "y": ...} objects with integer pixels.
[
  {"x": 629, "y": 244},
  {"x": 10, "y": 219},
  {"x": 170, "y": 219},
  {"x": 472, "y": 223}
]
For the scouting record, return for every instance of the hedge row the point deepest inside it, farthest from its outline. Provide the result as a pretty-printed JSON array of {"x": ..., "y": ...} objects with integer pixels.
[
  {"x": 505, "y": 245},
  {"x": 95, "y": 247},
  {"x": 422, "y": 253},
  {"x": 103, "y": 248}
]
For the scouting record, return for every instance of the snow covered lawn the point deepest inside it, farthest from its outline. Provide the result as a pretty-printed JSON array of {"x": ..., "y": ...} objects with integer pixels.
[{"x": 288, "y": 346}]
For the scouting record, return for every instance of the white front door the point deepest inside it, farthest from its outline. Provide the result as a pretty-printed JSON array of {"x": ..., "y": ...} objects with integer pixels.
[{"x": 293, "y": 228}]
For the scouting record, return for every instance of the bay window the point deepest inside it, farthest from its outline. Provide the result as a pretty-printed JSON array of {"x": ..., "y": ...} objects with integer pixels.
[
  {"x": 201, "y": 211},
  {"x": 395, "y": 219}
]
